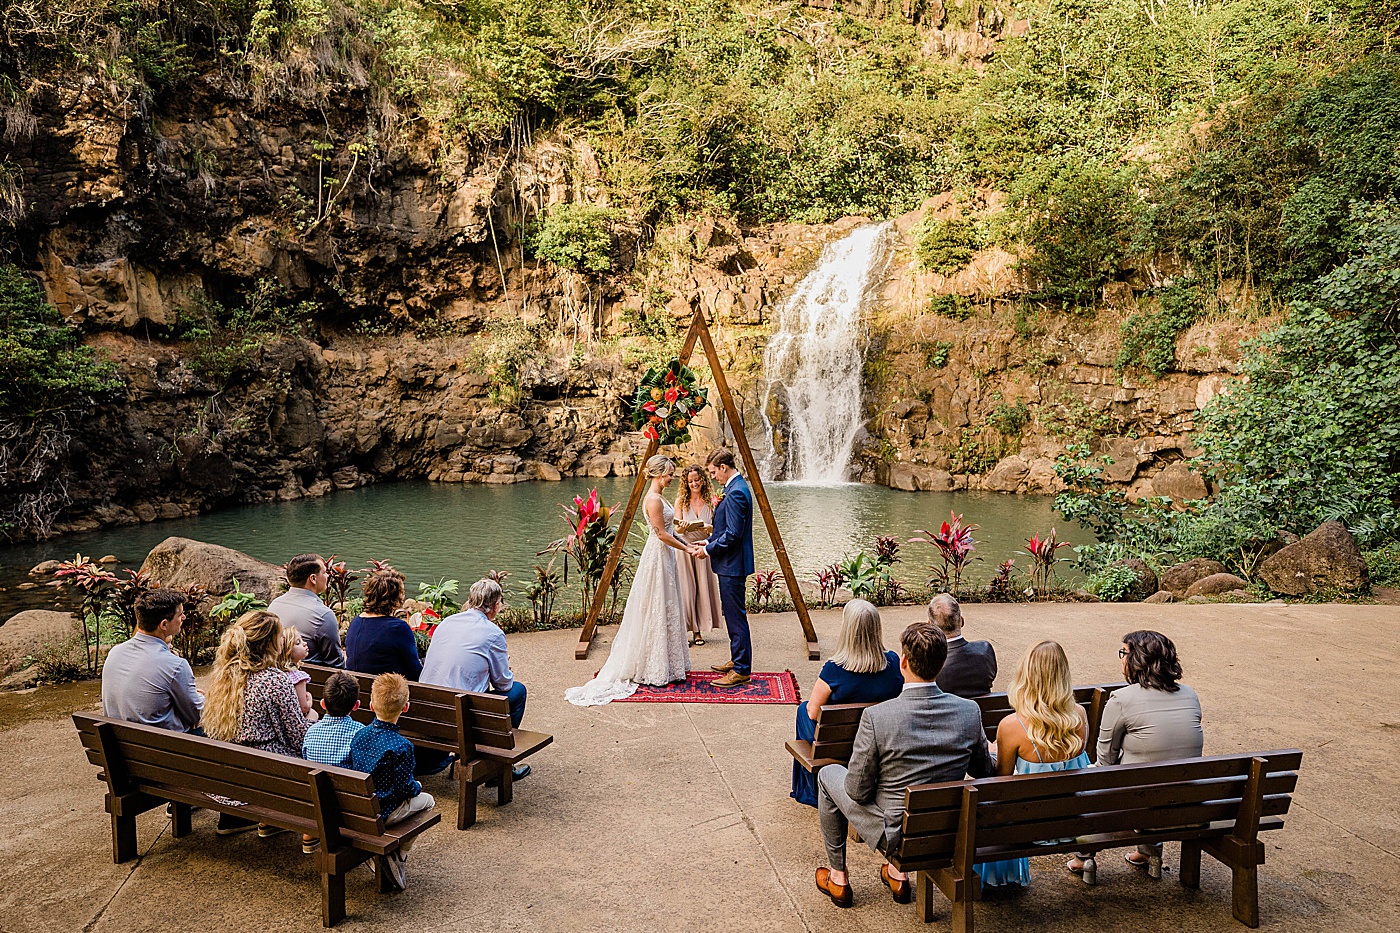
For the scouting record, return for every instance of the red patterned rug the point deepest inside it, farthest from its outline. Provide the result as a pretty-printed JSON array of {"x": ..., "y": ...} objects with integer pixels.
[{"x": 780, "y": 687}]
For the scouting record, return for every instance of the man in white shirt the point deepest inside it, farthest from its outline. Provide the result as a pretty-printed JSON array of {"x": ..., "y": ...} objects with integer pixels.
[
  {"x": 468, "y": 652},
  {"x": 301, "y": 608}
]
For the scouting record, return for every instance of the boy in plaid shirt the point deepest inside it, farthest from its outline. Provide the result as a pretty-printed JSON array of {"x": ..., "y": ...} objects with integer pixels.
[{"x": 327, "y": 741}]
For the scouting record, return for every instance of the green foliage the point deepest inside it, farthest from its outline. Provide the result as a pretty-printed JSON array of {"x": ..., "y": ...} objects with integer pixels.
[
  {"x": 1075, "y": 221},
  {"x": 1149, "y": 337},
  {"x": 936, "y": 353},
  {"x": 442, "y": 595},
  {"x": 500, "y": 352},
  {"x": 945, "y": 246},
  {"x": 44, "y": 366},
  {"x": 225, "y": 342},
  {"x": 956, "y": 307},
  {"x": 1383, "y": 563},
  {"x": 1112, "y": 583},
  {"x": 234, "y": 604},
  {"x": 864, "y": 576},
  {"x": 1312, "y": 430},
  {"x": 1010, "y": 419},
  {"x": 576, "y": 236}
]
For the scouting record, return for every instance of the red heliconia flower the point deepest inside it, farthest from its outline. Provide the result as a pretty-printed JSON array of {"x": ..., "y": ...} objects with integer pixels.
[{"x": 672, "y": 378}]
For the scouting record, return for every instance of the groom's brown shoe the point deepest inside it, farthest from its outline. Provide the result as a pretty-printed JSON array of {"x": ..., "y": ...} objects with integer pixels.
[
  {"x": 724, "y": 668},
  {"x": 732, "y": 679},
  {"x": 902, "y": 891},
  {"x": 840, "y": 894}
]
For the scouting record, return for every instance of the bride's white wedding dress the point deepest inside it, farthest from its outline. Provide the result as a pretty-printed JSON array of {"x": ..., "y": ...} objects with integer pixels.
[{"x": 651, "y": 646}]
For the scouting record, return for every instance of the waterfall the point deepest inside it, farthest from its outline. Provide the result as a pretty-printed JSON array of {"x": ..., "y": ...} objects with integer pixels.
[{"x": 811, "y": 403}]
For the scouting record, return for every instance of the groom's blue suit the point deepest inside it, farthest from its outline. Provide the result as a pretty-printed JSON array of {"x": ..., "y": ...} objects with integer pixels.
[{"x": 731, "y": 557}]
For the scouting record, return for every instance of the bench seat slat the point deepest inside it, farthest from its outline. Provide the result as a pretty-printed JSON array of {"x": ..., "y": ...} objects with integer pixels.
[
  {"x": 242, "y": 782},
  {"x": 1026, "y": 786},
  {"x": 936, "y": 852},
  {"x": 526, "y": 744},
  {"x": 224, "y": 753},
  {"x": 994, "y": 814},
  {"x": 1126, "y": 820}
]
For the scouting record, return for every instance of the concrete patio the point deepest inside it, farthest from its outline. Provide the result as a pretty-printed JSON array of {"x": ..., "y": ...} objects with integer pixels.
[{"x": 677, "y": 817}]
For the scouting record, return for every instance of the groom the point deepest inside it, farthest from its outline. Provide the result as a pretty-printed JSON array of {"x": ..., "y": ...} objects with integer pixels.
[{"x": 730, "y": 549}]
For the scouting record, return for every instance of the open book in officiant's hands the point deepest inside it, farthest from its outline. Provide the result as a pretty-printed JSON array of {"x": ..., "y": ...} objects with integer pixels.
[{"x": 690, "y": 528}]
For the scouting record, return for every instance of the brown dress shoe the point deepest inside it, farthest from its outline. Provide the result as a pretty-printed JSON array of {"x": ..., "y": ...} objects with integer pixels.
[
  {"x": 902, "y": 891},
  {"x": 732, "y": 679},
  {"x": 724, "y": 668},
  {"x": 840, "y": 894}
]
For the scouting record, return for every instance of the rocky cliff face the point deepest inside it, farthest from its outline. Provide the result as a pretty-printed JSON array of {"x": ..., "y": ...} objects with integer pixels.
[{"x": 138, "y": 210}]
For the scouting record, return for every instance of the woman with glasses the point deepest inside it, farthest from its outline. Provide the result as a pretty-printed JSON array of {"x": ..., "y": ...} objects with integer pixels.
[{"x": 1154, "y": 718}]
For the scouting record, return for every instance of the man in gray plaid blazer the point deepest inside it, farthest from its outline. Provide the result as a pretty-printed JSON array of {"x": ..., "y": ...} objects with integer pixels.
[{"x": 922, "y": 736}]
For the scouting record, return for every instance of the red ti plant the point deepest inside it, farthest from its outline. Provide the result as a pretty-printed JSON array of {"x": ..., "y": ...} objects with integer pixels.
[
  {"x": 339, "y": 577},
  {"x": 886, "y": 551},
  {"x": 96, "y": 587},
  {"x": 829, "y": 580},
  {"x": 763, "y": 583},
  {"x": 1043, "y": 561},
  {"x": 1002, "y": 587},
  {"x": 587, "y": 545},
  {"x": 955, "y": 545}
]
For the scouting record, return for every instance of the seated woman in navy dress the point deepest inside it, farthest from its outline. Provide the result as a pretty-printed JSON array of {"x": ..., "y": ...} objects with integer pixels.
[{"x": 861, "y": 671}]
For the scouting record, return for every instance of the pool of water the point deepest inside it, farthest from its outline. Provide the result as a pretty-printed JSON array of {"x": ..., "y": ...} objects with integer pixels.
[{"x": 433, "y": 530}]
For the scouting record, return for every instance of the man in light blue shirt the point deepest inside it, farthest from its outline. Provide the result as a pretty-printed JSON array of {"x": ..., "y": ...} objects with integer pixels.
[
  {"x": 301, "y": 608},
  {"x": 468, "y": 652},
  {"x": 143, "y": 680}
]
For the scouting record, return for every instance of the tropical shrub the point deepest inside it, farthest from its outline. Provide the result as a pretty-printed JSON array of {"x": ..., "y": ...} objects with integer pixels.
[
  {"x": 576, "y": 236},
  {"x": 945, "y": 246},
  {"x": 44, "y": 366}
]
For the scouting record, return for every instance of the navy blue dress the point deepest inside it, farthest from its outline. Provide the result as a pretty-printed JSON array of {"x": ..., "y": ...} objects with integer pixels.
[
  {"x": 845, "y": 688},
  {"x": 382, "y": 645},
  {"x": 385, "y": 645}
]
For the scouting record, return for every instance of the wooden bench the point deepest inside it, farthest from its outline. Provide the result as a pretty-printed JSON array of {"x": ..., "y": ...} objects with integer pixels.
[
  {"x": 144, "y": 767},
  {"x": 1217, "y": 805},
  {"x": 837, "y": 725},
  {"x": 473, "y": 726}
]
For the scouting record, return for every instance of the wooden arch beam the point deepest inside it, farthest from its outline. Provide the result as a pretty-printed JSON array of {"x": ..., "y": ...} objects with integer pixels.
[{"x": 700, "y": 331}]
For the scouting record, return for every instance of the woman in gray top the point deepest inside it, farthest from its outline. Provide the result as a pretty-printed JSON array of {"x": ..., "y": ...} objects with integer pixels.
[{"x": 1154, "y": 718}]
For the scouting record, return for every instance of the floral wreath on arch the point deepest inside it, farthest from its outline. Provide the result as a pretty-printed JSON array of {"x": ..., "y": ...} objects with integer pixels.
[{"x": 668, "y": 399}]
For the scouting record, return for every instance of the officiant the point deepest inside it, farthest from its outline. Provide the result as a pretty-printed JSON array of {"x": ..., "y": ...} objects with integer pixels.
[{"x": 695, "y": 513}]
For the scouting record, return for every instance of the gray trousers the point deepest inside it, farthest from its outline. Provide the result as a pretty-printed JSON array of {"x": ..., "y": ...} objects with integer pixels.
[{"x": 837, "y": 810}]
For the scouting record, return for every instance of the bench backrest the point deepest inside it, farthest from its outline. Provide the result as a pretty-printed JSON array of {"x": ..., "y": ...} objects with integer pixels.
[
  {"x": 438, "y": 717},
  {"x": 1023, "y": 809},
  {"x": 175, "y": 766},
  {"x": 837, "y": 723}
]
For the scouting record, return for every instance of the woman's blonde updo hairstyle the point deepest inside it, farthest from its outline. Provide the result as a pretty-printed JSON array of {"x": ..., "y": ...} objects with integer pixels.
[
  {"x": 659, "y": 466},
  {"x": 252, "y": 643}
]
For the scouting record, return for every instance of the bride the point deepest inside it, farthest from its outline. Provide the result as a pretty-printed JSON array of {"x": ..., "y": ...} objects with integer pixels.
[{"x": 650, "y": 647}]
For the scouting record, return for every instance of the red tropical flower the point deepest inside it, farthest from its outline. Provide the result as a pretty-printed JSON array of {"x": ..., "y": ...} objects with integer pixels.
[
  {"x": 672, "y": 394},
  {"x": 651, "y": 433},
  {"x": 649, "y": 406}
]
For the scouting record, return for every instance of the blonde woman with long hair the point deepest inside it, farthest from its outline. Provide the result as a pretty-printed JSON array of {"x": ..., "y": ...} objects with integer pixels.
[
  {"x": 860, "y": 671},
  {"x": 699, "y": 585},
  {"x": 650, "y": 647},
  {"x": 1047, "y": 732},
  {"x": 250, "y": 700}
]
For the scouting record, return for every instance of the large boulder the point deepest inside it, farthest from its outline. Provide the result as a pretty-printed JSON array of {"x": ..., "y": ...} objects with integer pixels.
[
  {"x": 30, "y": 632},
  {"x": 1160, "y": 597},
  {"x": 1216, "y": 584},
  {"x": 184, "y": 562},
  {"x": 1178, "y": 482},
  {"x": 1178, "y": 579},
  {"x": 1327, "y": 560},
  {"x": 1146, "y": 583},
  {"x": 1008, "y": 475}
]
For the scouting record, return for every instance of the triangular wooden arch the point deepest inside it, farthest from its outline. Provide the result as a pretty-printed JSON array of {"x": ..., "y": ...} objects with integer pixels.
[{"x": 700, "y": 331}]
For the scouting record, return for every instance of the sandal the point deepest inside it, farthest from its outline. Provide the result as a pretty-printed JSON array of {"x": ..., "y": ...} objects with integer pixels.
[{"x": 698, "y": 642}]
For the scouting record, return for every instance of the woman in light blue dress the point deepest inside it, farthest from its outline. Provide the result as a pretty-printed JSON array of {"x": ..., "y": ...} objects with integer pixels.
[{"x": 1047, "y": 733}]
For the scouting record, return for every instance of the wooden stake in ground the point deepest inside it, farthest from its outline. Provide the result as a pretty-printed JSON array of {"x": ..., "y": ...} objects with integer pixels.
[{"x": 700, "y": 331}]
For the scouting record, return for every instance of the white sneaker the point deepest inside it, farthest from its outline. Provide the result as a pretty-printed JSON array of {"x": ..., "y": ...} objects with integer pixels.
[{"x": 393, "y": 867}]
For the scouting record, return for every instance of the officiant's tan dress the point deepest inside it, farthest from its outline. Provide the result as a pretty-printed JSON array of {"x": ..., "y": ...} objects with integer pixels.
[{"x": 699, "y": 585}]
